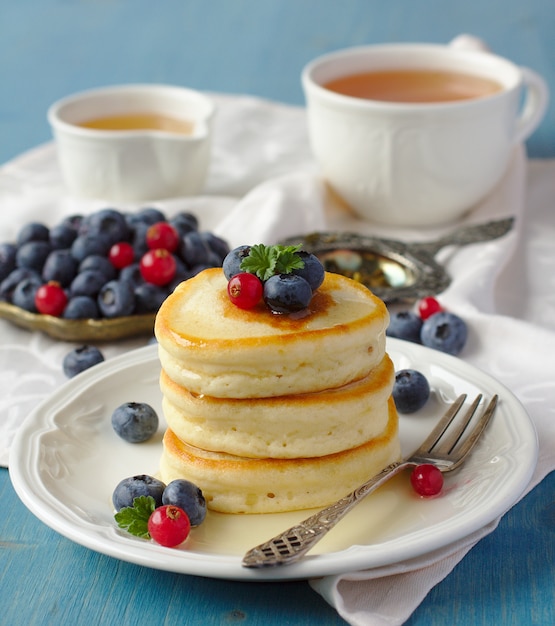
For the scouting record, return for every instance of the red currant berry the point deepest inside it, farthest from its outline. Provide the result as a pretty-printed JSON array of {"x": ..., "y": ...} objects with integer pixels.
[
  {"x": 169, "y": 525},
  {"x": 245, "y": 290},
  {"x": 158, "y": 267},
  {"x": 51, "y": 299},
  {"x": 428, "y": 307},
  {"x": 426, "y": 480},
  {"x": 162, "y": 235},
  {"x": 121, "y": 255}
]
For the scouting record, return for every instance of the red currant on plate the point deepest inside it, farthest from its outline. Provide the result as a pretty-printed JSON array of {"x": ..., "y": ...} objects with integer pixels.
[
  {"x": 162, "y": 235},
  {"x": 169, "y": 525},
  {"x": 426, "y": 480},
  {"x": 158, "y": 267},
  {"x": 121, "y": 255},
  {"x": 51, "y": 299},
  {"x": 428, "y": 306},
  {"x": 245, "y": 290}
]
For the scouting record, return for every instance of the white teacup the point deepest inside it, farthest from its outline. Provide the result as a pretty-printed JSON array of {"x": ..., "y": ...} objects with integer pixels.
[
  {"x": 418, "y": 164},
  {"x": 139, "y": 164}
]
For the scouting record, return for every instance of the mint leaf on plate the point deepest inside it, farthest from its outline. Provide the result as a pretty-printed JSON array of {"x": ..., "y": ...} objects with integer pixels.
[{"x": 135, "y": 518}]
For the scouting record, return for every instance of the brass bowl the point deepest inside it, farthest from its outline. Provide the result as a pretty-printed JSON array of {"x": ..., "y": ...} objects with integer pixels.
[{"x": 94, "y": 330}]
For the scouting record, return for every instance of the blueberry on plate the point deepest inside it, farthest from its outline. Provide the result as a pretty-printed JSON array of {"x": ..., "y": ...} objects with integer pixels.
[
  {"x": 116, "y": 299},
  {"x": 287, "y": 293},
  {"x": 411, "y": 390},
  {"x": 62, "y": 236},
  {"x": 135, "y": 422},
  {"x": 187, "y": 496},
  {"x": 81, "y": 359},
  {"x": 194, "y": 250},
  {"x": 136, "y": 486},
  {"x": 444, "y": 331},
  {"x": 405, "y": 325}
]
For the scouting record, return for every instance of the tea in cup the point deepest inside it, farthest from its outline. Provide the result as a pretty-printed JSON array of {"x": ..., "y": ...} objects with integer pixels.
[
  {"x": 417, "y": 134},
  {"x": 133, "y": 142}
]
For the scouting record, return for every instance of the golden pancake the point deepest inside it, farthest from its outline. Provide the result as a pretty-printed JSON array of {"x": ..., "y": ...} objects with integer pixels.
[
  {"x": 209, "y": 346},
  {"x": 302, "y": 425},
  {"x": 233, "y": 484}
]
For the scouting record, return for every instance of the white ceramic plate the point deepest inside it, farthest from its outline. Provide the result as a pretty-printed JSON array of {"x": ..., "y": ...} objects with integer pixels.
[{"x": 66, "y": 461}]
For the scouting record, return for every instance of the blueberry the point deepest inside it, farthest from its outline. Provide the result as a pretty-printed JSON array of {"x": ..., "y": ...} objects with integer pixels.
[
  {"x": 7, "y": 259},
  {"x": 188, "y": 497},
  {"x": 132, "y": 275},
  {"x": 138, "y": 240},
  {"x": 405, "y": 325},
  {"x": 59, "y": 266},
  {"x": 81, "y": 359},
  {"x": 100, "y": 264},
  {"x": 87, "y": 283},
  {"x": 193, "y": 249},
  {"x": 135, "y": 486},
  {"x": 33, "y": 231},
  {"x": 148, "y": 215},
  {"x": 445, "y": 332},
  {"x": 110, "y": 225},
  {"x": 411, "y": 390},
  {"x": 184, "y": 223},
  {"x": 89, "y": 244},
  {"x": 33, "y": 254},
  {"x": 24, "y": 294},
  {"x": 217, "y": 245},
  {"x": 287, "y": 293},
  {"x": 313, "y": 270},
  {"x": 135, "y": 422},
  {"x": 116, "y": 299},
  {"x": 149, "y": 298},
  {"x": 81, "y": 307},
  {"x": 62, "y": 236},
  {"x": 232, "y": 262},
  {"x": 8, "y": 285},
  {"x": 72, "y": 221}
]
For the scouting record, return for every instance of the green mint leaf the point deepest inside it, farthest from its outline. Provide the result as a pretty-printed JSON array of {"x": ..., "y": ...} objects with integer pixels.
[
  {"x": 134, "y": 518},
  {"x": 288, "y": 259},
  {"x": 265, "y": 261}
]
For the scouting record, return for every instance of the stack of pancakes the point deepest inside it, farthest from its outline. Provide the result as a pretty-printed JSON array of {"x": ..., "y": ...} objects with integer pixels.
[{"x": 269, "y": 413}]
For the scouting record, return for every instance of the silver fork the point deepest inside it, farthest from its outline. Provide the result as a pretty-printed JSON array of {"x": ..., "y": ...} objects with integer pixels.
[{"x": 443, "y": 447}]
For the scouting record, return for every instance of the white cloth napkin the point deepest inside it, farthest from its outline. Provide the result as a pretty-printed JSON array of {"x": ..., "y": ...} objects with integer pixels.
[{"x": 264, "y": 186}]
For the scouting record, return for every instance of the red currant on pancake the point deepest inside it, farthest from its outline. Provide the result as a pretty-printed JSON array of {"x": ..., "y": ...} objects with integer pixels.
[
  {"x": 428, "y": 306},
  {"x": 162, "y": 235},
  {"x": 245, "y": 290},
  {"x": 169, "y": 525},
  {"x": 158, "y": 266},
  {"x": 426, "y": 480},
  {"x": 51, "y": 299},
  {"x": 121, "y": 255}
]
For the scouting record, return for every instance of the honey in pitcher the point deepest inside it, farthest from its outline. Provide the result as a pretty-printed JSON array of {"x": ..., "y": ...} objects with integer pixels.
[
  {"x": 140, "y": 121},
  {"x": 416, "y": 86}
]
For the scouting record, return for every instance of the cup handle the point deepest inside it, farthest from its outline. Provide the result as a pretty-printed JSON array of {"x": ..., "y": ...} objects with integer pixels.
[{"x": 534, "y": 105}]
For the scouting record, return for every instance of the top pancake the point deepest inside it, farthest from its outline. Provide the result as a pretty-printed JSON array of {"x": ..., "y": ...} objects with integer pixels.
[{"x": 210, "y": 346}]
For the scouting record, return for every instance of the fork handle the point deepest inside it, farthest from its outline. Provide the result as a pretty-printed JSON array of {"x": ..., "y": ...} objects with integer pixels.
[{"x": 292, "y": 544}]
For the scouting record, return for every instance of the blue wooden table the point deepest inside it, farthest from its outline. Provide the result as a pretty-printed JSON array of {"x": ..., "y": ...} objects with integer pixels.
[{"x": 50, "y": 48}]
